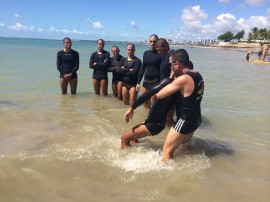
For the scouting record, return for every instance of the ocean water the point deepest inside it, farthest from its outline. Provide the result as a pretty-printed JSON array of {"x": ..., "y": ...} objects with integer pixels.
[{"x": 67, "y": 148}]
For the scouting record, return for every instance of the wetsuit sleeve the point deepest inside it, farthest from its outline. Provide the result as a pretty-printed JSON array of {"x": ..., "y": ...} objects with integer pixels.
[
  {"x": 151, "y": 92},
  {"x": 59, "y": 63},
  {"x": 142, "y": 70},
  {"x": 136, "y": 68},
  {"x": 91, "y": 61},
  {"x": 112, "y": 69},
  {"x": 104, "y": 65},
  {"x": 77, "y": 62}
]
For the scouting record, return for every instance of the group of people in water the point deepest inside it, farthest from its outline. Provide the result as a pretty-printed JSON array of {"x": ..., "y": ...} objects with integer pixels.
[
  {"x": 262, "y": 53},
  {"x": 170, "y": 85}
]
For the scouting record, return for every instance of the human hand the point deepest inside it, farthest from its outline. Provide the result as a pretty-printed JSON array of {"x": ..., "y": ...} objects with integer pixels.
[
  {"x": 128, "y": 114},
  {"x": 138, "y": 87}
]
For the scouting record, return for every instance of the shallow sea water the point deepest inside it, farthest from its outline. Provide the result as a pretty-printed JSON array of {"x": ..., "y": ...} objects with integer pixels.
[{"x": 67, "y": 148}]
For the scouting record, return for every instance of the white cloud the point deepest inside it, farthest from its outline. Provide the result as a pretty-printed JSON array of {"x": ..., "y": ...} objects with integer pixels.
[
  {"x": 195, "y": 29},
  {"x": 16, "y": 15},
  {"x": 97, "y": 25},
  {"x": 224, "y": 1},
  {"x": 192, "y": 16},
  {"x": 255, "y": 2},
  {"x": 134, "y": 26},
  {"x": 64, "y": 31},
  {"x": 17, "y": 26}
]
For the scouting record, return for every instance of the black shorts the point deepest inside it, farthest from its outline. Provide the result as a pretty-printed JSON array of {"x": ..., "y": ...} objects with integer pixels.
[
  {"x": 129, "y": 86},
  {"x": 185, "y": 126},
  {"x": 154, "y": 128},
  {"x": 150, "y": 84}
]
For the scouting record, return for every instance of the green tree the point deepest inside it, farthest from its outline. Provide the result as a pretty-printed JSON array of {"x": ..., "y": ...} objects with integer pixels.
[
  {"x": 228, "y": 36},
  {"x": 239, "y": 35}
]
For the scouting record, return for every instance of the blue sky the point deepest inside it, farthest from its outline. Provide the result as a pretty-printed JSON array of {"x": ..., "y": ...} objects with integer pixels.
[{"x": 126, "y": 20}]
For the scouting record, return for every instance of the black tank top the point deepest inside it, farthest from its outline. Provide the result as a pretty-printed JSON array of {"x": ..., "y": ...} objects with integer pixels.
[{"x": 192, "y": 103}]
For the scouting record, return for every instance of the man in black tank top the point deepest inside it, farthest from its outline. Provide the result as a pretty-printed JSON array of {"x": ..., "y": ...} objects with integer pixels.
[{"x": 191, "y": 85}]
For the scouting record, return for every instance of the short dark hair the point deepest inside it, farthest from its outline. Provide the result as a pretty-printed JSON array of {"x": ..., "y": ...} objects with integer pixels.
[
  {"x": 153, "y": 35},
  {"x": 181, "y": 56},
  {"x": 162, "y": 43},
  {"x": 101, "y": 41},
  {"x": 66, "y": 38},
  {"x": 131, "y": 44}
]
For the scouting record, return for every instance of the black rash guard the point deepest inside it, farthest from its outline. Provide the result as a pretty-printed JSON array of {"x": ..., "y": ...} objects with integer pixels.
[
  {"x": 158, "y": 112},
  {"x": 114, "y": 65},
  {"x": 101, "y": 67},
  {"x": 68, "y": 62},
  {"x": 150, "y": 69},
  {"x": 165, "y": 67},
  {"x": 130, "y": 72}
]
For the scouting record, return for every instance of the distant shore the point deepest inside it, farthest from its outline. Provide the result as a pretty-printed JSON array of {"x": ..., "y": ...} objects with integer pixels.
[{"x": 242, "y": 47}]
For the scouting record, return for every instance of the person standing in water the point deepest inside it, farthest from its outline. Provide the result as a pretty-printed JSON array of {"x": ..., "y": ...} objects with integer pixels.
[
  {"x": 68, "y": 64},
  {"x": 117, "y": 61},
  {"x": 150, "y": 69},
  {"x": 130, "y": 71},
  {"x": 191, "y": 86},
  {"x": 99, "y": 61}
]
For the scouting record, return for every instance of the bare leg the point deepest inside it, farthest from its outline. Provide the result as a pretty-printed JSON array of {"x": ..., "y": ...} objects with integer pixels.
[
  {"x": 114, "y": 90},
  {"x": 63, "y": 85},
  {"x": 125, "y": 94},
  {"x": 172, "y": 142},
  {"x": 96, "y": 85},
  {"x": 119, "y": 90},
  {"x": 153, "y": 99},
  {"x": 104, "y": 87},
  {"x": 73, "y": 85},
  {"x": 137, "y": 132},
  {"x": 147, "y": 102},
  {"x": 133, "y": 95}
]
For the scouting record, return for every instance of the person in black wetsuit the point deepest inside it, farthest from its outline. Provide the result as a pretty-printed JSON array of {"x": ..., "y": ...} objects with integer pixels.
[
  {"x": 130, "y": 71},
  {"x": 117, "y": 61},
  {"x": 191, "y": 86},
  {"x": 68, "y": 64},
  {"x": 163, "y": 48},
  {"x": 99, "y": 61},
  {"x": 150, "y": 69},
  {"x": 156, "y": 120}
]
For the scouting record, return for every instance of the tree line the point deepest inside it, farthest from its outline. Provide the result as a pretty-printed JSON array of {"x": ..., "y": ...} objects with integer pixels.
[{"x": 254, "y": 35}]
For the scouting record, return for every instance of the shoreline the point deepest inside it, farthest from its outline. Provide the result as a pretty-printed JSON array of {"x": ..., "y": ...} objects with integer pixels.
[{"x": 233, "y": 47}]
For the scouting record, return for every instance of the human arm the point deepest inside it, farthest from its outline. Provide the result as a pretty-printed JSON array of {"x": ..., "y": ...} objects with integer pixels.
[
  {"x": 59, "y": 63},
  {"x": 140, "y": 100},
  {"x": 177, "y": 85},
  {"x": 104, "y": 61},
  {"x": 128, "y": 114},
  {"x": 92, "y": 61},
  {"x": 141, "y": 73},
  {"x": 76, "y": 61}
]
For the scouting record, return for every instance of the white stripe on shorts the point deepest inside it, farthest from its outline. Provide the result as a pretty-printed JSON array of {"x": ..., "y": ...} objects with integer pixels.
[{"x": 179, "y": 125}]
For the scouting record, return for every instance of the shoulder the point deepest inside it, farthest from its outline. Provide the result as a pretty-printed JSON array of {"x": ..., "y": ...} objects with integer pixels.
[
  {"x": 137, "y": 59},
  {"x": 75, "y": 52},
  {"x": 60, "y": 52}
]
